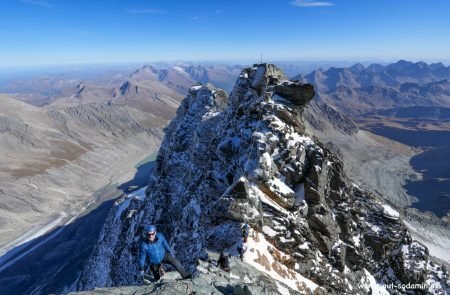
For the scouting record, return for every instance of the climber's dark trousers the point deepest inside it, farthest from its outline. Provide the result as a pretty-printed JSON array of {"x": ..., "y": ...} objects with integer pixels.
[{"x": 171, "y": 260}]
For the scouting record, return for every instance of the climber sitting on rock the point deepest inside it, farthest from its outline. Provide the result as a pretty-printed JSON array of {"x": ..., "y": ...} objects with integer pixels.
[{"x": 156, "y": 249}]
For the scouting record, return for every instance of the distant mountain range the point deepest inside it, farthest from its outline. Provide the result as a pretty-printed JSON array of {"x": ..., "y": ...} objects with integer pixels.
[
  {"x": 360, "y": 89},
  {"x": 355, "y": 90},
  {"x": 148, "y": 81}
]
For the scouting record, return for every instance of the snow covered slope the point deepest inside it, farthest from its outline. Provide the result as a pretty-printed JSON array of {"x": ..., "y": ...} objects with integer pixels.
[{"x": 247, "y": 159}]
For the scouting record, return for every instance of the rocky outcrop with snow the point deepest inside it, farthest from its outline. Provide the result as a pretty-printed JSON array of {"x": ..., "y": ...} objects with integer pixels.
[
  {"x": 243, "y": 279},
  {"x": 246, "y": 158}
]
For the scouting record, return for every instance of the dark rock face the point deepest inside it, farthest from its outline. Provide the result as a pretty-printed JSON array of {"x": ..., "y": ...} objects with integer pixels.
[
  {"x": 247, "y": 159},
  {"x": 299, "y": 94}
]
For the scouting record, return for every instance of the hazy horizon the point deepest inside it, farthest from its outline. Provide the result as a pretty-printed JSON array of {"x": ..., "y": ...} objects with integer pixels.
[
  {"x": 62, "y": 68},
  {"x": 68, "y": 33}
]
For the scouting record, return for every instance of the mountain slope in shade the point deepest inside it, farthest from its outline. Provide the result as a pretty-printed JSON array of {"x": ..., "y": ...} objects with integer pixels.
[{"x": 248, "y": 158}]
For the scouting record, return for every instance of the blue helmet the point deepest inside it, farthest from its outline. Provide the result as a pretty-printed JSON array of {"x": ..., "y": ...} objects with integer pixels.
[{"x": 150, "y": 228}]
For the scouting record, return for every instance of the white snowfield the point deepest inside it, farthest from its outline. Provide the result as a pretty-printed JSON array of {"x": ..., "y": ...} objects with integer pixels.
[
  {"x": 195, "y": 88},
  {"x": 258, "y": 256},
  {"x": 390, "y": 212},
  {"x": 371, "y": 284}
]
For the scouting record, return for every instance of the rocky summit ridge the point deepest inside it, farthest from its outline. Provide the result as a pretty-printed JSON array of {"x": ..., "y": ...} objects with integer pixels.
[{"x": 247, "y": 158}]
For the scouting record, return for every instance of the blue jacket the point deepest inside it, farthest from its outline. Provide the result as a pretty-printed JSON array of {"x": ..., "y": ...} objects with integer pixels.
[{"x": 153, "y": 251}]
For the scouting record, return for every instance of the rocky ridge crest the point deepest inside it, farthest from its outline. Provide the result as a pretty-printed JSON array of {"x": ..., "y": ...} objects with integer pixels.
[{"x": 247, "y": 158}]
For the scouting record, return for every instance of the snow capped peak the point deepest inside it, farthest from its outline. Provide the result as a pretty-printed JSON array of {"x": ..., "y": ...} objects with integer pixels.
[
  {"x": 246, "y": 159},
  {"x": 179, "y": 69}
]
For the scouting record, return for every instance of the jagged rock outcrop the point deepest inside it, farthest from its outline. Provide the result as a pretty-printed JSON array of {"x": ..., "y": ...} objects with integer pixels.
[
  {"x": 247, "y": 159},
  {"x": 242, "y": 280}
]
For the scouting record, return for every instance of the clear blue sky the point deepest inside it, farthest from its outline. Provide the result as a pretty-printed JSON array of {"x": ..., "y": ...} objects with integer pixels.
[{"x": 40, "y": 32}]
